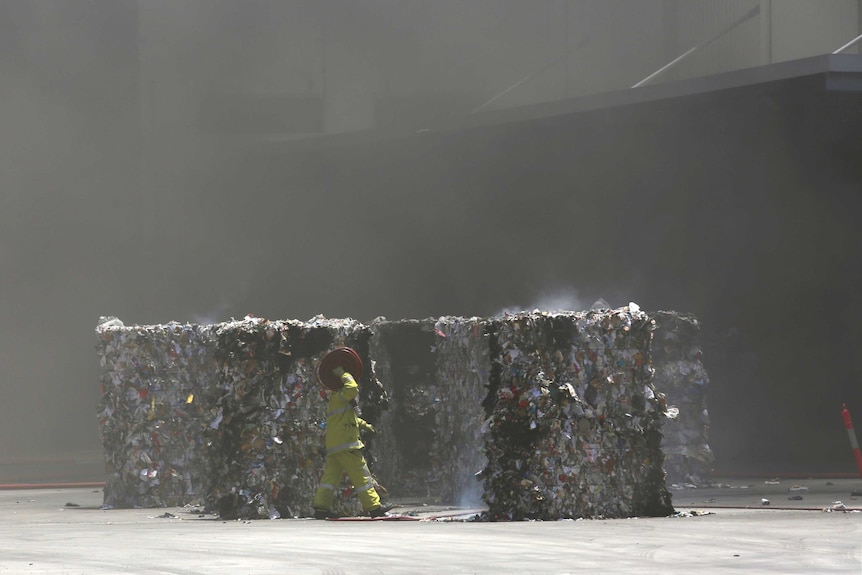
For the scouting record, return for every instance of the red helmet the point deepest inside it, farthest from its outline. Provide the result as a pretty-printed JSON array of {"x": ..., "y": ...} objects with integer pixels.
[{"x": 344, "y": 357}]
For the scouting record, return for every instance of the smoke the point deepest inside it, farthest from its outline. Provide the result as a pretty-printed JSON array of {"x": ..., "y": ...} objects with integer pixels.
[
  {"x": 214, "y": 315},
  {"x": 124, "y": 188},
  {"x": 562, "y": 300},
  {"x": 471, "y": 497}
]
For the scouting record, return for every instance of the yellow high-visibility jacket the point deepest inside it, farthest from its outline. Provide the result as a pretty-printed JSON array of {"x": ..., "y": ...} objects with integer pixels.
[{"x": 342, "y": 423}]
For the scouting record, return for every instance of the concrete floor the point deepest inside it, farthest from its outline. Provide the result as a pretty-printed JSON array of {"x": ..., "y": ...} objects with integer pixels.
[{"x": 64, "y": 531}]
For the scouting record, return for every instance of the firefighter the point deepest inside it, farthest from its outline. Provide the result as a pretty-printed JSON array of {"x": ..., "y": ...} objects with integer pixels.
[{"x": 344, "y": 452}]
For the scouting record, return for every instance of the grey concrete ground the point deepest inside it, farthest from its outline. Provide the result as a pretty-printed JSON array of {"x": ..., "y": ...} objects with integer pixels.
[{"x": 64, "y": 531}]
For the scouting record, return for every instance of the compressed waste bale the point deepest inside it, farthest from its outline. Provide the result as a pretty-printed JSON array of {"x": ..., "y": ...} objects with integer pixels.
[
  {"x": 463, "y": 372},
  {"x": 157, "y": 382},
  {"x": 268, "y": 418},
  {"x": 574, "y": 427},
  {"x": 272, "y": 417},
  {"x": 229, "y": 414},
  {"x": 681, "y": 376},
  {"x": 404, "y": 359},
  {"x": 436, "y": 371}
]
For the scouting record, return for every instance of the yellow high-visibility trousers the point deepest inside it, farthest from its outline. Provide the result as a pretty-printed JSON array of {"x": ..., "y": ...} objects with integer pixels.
[{"x": 353, "y": 462}]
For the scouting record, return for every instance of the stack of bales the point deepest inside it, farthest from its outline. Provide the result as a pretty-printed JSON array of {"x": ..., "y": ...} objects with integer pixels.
[
  {"x": 229, "y": 414},
  {"x": 558, "y": 412},
  {"x": 681, "y": 376},
  {"x": 574, "y": 420},
  {"x": 157, "y": 384}
]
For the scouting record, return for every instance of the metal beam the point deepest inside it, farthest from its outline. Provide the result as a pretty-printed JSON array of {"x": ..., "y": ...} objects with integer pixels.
[
  {"x": 747, "y": 16},
  {"x": 849, "y": 44}
]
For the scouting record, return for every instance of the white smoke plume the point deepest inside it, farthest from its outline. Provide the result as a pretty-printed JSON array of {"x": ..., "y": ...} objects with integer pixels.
[{"x": 556, "y": 301}]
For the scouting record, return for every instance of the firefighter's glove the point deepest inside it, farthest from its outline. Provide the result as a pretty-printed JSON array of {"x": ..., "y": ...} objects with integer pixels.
[{"x": 338, "y": 371}]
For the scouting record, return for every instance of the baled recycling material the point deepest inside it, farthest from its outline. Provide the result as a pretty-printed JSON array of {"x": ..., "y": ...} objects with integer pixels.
[
  {"x": 404, "y": 360},
  {"x": 463, "y": 370},
  {"x": 574, "y": 427},
  {"x": 534, "y": 415},
  {"x": 157, "y": 399},
  {"x": 681, "y": 376},
  {"x": 238, "y": 406},
  {"x": 436, "y": 372}
]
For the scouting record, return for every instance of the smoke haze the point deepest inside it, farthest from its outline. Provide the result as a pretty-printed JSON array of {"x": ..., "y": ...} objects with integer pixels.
[{"x": 202, "y": 160}]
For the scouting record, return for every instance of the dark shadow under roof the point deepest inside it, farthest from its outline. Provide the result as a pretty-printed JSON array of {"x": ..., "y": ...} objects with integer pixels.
[
  {"x": 830, "y": 72},
  {"x": 840, "y": 72}
]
